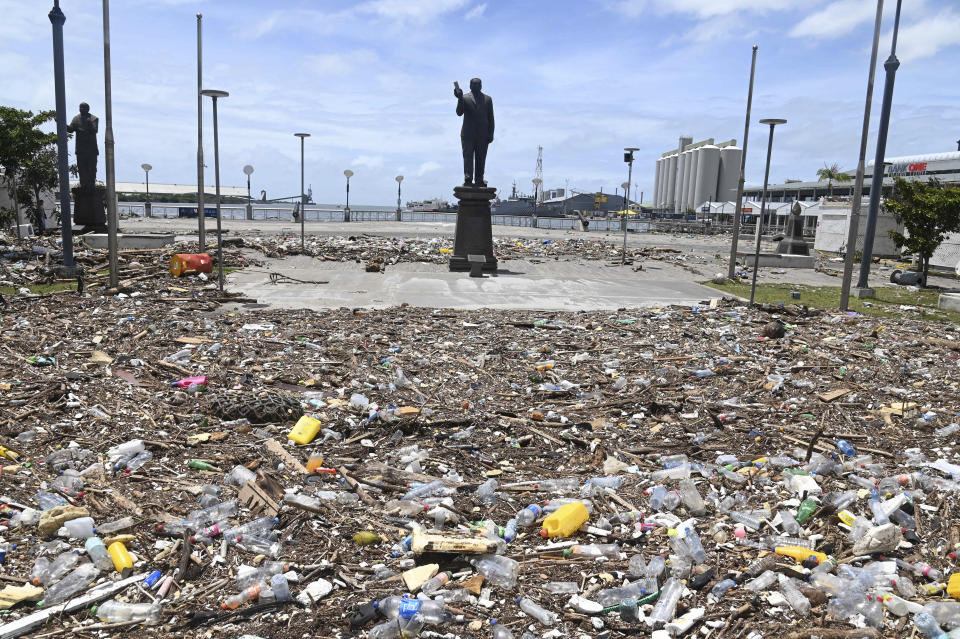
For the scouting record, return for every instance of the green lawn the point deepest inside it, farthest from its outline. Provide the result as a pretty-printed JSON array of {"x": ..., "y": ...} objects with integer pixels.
[
  {"x": 42, "y": 289},
  {"x": 886, "y": 304}
]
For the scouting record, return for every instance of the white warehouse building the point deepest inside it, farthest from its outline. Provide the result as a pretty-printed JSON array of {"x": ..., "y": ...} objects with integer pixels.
[{"x": 696, "y": 173}]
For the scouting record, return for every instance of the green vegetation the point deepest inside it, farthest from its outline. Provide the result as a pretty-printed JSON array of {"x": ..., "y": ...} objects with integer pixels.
[
  {"x": 41, "y": 289},
  {"x": 832, "y": 173},
  {"x": 928, "y": 212},
  {"x": 886, "y": 304},
  {"x": 29, "y": 159}
]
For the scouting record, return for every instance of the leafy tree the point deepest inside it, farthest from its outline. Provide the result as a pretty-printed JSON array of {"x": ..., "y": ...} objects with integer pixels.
[
  {"x": 832, "y": 173},
  {"x": 28, "y": 157},
  {"x": 928, "y": 213}
]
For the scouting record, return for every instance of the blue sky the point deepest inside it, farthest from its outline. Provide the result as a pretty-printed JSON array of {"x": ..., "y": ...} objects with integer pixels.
[{"x": 372, "y": 81}]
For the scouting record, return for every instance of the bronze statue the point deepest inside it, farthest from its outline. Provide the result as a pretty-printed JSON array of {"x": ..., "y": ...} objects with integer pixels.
[
  {"x": 85, "y": 125},
  {"x": 476, "y": 132}
]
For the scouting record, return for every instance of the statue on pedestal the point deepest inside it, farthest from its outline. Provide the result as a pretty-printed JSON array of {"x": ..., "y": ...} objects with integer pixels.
[
  {"x": 88, "y": 206},
  {"x": 474, "y": 235},
  {"x": 793, "y": 242}
]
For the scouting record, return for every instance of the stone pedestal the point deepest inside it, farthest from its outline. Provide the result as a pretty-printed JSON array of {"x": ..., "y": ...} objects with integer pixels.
[
  {"x": 474, "y": 233},
  {"x": 88, "y": 209}
]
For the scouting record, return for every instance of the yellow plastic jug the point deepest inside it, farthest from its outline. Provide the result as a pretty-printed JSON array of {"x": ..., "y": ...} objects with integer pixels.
[
  {"x": 800, "y": 554},
  {"x": 122, "y": 560},
  {"x": 565, "y": 521},
  {"x": 305, "y": 430}
]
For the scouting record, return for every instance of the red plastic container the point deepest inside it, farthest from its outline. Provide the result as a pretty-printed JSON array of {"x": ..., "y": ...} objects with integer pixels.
[{"x": 190, "y": 264}]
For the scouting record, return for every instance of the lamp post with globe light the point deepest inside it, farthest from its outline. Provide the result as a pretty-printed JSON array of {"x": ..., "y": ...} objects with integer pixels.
[
  {"x": 399, "y": 179},
  {"x": 773, "y": 122},
  {"x": 146, "y": 206},
  {"x": 215, "y": 95},
  {"x": 248, "y": 170},
  {"x": 346, "y": 210}
]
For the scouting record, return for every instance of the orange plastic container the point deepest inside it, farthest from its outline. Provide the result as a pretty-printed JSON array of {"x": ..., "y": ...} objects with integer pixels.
[
  {"x": 190, "y": 264},
  {"x": 565, "y": 521}
]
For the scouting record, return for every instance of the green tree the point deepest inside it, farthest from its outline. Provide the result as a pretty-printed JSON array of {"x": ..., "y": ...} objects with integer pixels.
[
  {"x": 832, "y": 173},
  {"x": 28, "y": 157},
  {"x": 928, "y": 212}
]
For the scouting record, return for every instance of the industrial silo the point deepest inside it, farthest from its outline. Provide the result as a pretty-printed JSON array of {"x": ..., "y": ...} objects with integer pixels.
[
  {"x": 730, "y": 159},
  {"x": 669, "y": 181},
  {"x": 708, "y": 169},
  {"x": 691, "y": 181},
  {"x": 678, "y": 192},
  {"x": 656, "y": 184},
  {"x": 685, "y": 186}
]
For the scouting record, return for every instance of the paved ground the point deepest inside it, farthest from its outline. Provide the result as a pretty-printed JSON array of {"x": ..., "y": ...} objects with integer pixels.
[{"x": 521, "y": 284}]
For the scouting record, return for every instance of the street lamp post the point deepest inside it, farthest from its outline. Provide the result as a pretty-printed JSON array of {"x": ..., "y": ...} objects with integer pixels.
[
  {"x": 201, "y": 222},
  {"x": 346, "y": 211},
  {"x": 536, "y": 197},
  {"x": 248, "y": 170},
  {"x": 108, "y": 152},
  {"x": 63, "y": 172},
  {"x": 399, "y": 179},
  {"x": 303, "y": 200},
  {"x": 738, "y": 207},
  {"x": 876, "y": 185},
  {"x": 215, "y": 95},
  {"x": 146, "y": 206},
  {"x": 773, "y": 122},
  {"x": 628, "y": 158}
]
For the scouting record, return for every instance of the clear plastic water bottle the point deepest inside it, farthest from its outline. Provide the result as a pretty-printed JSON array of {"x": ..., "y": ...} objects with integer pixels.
[
  {"x": 846, "y": 448},
  {"x": 666, "y": 605},
  {"x": 98, "y": 554},
  {"x": 635, "y": 590},
  {"x": 794, "y": 597},
  {"x": 528, "y": 516},
  {"x": 500, "y": 571},
  {"x": 721, "y": 588},
  {"x": 119, "y": 611},
  {"x": 52, "y": 572},
  {"x": 73, "y": 583},
  {"x": 500, "y": 631},
  {"x": 928, "y": 626},
  {"x": 280, "y": 587},
  {"x": 630, "y": 611},
  {"x": 535, "y": 611}
]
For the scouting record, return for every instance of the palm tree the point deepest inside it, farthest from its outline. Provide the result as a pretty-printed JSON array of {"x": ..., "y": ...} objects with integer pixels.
[{"x": 832, "y": 173}]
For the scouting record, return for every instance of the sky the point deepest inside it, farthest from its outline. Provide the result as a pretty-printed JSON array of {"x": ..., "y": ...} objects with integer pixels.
[{"x": 372, "y": 81}]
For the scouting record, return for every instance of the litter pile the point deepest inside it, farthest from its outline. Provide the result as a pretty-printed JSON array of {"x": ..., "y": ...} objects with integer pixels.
[{"x": 713, "y": 471}]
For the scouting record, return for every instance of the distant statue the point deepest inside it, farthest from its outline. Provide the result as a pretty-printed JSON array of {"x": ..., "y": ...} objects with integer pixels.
[
  {"x": 85, "y": 125},
  {"x": 476, "y": 132}
]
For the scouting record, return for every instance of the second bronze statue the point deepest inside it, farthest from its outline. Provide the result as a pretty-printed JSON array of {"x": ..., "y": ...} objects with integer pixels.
[{"x": 476, "y": 133}]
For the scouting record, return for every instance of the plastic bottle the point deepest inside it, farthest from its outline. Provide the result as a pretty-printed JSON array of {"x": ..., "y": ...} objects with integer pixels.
[
  {"x": 261, "y": 527},
  {"x": 656, "y": 566},
  {"x": 807, "y": 507},
  {"x": 629, "y": 611},
  {"x": 923, "y": 570},
  {"x": 800, "y": 554},
  {"x": 789, "y": 523},
  {"x": 487, "y": 492},
  {"x": 534, "y": 610},
  {"x": 73, "y": 583},
  {"x": 424, "y": 490},
  {"x": 247, "y": 594},
  {"x": 772, "y": 541},
  {"x": 928, "y": 626},
  {"x": 79, "y": 528},
  {"x": 691, "y": 498},
  {"x": 721, "y": 588},
  {"x": 637, "y": 566},
  {"x": 186, "y": 382},
  {"x": 262, "y": 574},
  {"x": 435, "y": 583},
  {"x": 500, "y": 571},
  {"x": 114, "y": 526},
  {"x": 527, "y": 516},
  {"x": 126, "y": 450},
  {"x": 635, "y": 590},
  {"x": 846, "y": 448},
  {"x": 427, "y": 610},
  {"x": 138, "y": 460},
  {"x": 794, "y": 597},
  {"x": 657, "y": 495},
  {"x": 305, "y": 430},
  {"x": 211, "y": 514},
  {"x": 47, "y": 500},
  {"x": 898, "y": 606},
  {"x": 947, "y": 430},
  {"x": 98, "y": 553},
  {"x": 260, "y": 546},
  {"x": 610, "y": 551},
  {"x": 747, "y": 520},
  {"x": 565, "y": 521},
  {"x": 666, "y": 604},
  {"x": 122, "y": 560},
  {"x": 554, "y": 505},
  {"x": 51, "y": 572},
  {"x": 238, "y": 476},
  {"x": 561, "y": 587},
  {"x": 117, "y": 611},
  {"x": 762, "y": 582},
  {"x": 600, "y": 485},
  {"x": 686, "y": 543},
  {"x": 500, "y": 631},
  {"x": 280, "y": 587}
]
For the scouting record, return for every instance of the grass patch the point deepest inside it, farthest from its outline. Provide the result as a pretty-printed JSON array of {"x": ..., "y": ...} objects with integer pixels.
[
  {"x": 41, "y": 289},
  {"x": 886, "y": 304}
]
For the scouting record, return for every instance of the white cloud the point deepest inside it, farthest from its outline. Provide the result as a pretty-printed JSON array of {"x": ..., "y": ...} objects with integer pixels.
[
  {"x": 428, "y": 167},
  {"x": 926, "y": 38},
  {"x": 476, "y": 12},
  {"x": 338, "y": 64},
  {"x": 368, "y": 161},
  {"x": 836, "y": 19},
  {"x": 420, "y": 11},
  {"x": 701, "y": 8}
]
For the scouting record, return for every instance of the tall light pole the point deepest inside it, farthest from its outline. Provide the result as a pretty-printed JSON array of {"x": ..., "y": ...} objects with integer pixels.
[
  {"x": 876, "y": 185},
  {"x": 346, "y": 211},
  {"x": 146, "y": 206},
  {"x": 248, "y": 170},
  {"x": 201, "y": 223},
  {"x": 536, "y": 197},
  {"x": 108, "y": 151},
  {"x": 63, "y": 172},
  {"x": 303, "y": 199},
  {"x": 399, "y": 179},
  {"x": 738, "y": 208},
  {"x": 856, "y": 203},
  {"x": 628, "y": 158},
  {"x": 216, "y": 95},
  {"x": 773, "y": 122}
]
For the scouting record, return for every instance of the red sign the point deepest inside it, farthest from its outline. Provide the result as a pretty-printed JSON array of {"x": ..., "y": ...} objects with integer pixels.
[
  {"x": 918, "y": 166},
  {"x": 747, "y": 209}
]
